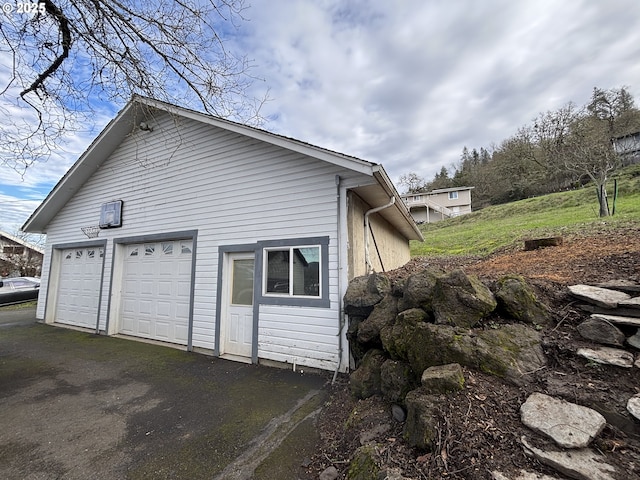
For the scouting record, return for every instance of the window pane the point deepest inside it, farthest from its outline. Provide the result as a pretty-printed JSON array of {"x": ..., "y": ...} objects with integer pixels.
[
  {"x": 242, "y": 284},
  {"x": 278, "y": 271},
  {"x": 306, "y": 271}
]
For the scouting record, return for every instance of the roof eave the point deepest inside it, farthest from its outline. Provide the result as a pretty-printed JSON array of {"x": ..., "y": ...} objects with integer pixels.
[{"x": 383, "y": 179}]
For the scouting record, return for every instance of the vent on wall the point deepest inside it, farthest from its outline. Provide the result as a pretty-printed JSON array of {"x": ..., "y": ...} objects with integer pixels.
[{"x": 111, "y": 214}]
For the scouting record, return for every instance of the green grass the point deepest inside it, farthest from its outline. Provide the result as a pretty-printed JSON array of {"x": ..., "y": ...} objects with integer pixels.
[
  {"x": 20, "y": 306},
  {"x": 507, "y": 226}
]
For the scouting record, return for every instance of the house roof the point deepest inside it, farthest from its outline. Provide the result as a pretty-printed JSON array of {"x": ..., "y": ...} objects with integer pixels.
[
  {"x": 377, "y": 193},
  {"x": 438, "y": 190},
  {"x": 19, "y": 241}
]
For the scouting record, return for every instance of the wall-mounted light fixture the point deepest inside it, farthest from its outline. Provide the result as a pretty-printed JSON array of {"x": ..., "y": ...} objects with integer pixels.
[{"x": 145, "y": 127}]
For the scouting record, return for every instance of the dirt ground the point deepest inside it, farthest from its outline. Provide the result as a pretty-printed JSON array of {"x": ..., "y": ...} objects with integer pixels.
[{"x": 480, "y": 430}]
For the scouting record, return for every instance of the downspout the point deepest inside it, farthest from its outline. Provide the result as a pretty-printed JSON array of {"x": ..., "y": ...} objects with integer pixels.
[
  {"x": 367, "y": 256},
  {"x": 341, "y": 321}
]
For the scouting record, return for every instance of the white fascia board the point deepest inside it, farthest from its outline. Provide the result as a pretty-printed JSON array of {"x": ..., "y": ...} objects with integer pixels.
[{"x": 387, "y": 185}]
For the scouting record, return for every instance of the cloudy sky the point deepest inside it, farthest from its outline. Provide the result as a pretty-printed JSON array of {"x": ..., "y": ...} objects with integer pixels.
[{"x": 407, "y": 83}]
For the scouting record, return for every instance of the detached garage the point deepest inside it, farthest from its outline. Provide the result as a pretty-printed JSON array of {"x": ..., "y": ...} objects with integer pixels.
[{"x": 208, "y": 235}]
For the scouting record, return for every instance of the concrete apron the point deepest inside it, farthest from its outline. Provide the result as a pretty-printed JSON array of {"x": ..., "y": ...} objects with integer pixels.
[{"x": 75, "y": 405}]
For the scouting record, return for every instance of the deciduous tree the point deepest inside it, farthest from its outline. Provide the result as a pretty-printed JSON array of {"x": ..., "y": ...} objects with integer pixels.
[{"x": 62, "y": 59}]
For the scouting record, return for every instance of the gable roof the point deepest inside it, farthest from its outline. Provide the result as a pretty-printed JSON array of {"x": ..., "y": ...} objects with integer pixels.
[{"x": 378, "y": 193}]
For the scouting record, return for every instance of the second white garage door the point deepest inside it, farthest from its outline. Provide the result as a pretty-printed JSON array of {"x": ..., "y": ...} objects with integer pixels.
[{"x": 156, "y": 291}]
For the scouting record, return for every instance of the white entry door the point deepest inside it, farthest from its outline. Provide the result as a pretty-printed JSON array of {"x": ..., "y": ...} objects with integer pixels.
[{"x": 237, "y": 324}]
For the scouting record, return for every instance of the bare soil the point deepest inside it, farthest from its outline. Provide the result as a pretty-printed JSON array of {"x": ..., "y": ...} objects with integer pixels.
[{"x": 480, "y": 429}]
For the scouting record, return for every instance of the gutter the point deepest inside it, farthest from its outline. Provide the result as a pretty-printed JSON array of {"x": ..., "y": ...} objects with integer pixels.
[{"x": 367, "y": 255}]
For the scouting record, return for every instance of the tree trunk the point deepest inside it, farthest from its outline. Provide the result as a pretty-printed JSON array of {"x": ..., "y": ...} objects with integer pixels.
[{"x": 602, "y": 198}]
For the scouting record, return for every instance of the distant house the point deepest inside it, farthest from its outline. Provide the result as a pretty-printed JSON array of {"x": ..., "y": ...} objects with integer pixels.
[
  {"x": 209, "y": 235},
  {"x": 19, "y": 258},
  {"x": 628, "y": 147},
  {"x": 436, "y": 205}
]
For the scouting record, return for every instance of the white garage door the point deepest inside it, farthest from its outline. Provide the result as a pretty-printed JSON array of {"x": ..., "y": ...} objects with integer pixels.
[
  {"x": 79, "y": 286},
  {"x": 156, "y": 291}
]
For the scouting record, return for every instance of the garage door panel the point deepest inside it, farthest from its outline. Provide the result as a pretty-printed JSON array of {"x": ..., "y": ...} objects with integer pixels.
[
  {"x": 184, "y": 269},
  {"x": 164, "y": 309},
  {"x": 166, "y": 269},
  {"x": 157, "y": 281},
  {"x": 183, "y": 289},
  {"x": 144, "y": 327},
  {"x": 181, "y": 333},
  {"x": 146, "y": 287},
  {"x": 165, "y": 288},
  {"x": 162, "y": 330},
  {"x": 78, "y": 292}
]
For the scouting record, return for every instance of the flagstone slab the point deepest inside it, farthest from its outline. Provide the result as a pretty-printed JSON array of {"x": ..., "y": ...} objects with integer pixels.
[
  {"x": 607, "y": 356},
  {"x": 631, "y": 303},
  {"x": 567, "y": 424},
  {"x": 627, "y": 286},
  {"x": 617, "y": 319},
  {"x": 522, "y": 475},
  {"x": 581, "y": 464},
  {"x": 634, "y": 340},
  {"x": 603, "y": 297},
  {"x": 633, "y": 406}
]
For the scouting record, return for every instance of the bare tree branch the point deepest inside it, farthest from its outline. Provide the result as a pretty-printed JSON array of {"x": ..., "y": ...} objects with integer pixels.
[
  {"x": 67, "y": 61},
  {"x": 65, "y": 43}
]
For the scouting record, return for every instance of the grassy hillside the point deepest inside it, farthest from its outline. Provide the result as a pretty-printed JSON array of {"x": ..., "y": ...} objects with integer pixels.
[{"x": 503, "y": 226}]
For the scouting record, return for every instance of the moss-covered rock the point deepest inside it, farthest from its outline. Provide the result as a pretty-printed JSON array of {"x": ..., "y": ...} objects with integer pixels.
[
  {"x": 363, "y": 466},
  {"x": 356, "y": 349},
  {"x": 363, "y": 293},
  {"x": 518, "y": 300},
  {"x": 397, "y": 379},
  {"x": 461, "y": 300},
  {"x": 512, "y": 352},
  {"x": 418, "y": 289},
  {"x": 383, "y": 314},
  {"x": 443, "y": 378},
  {"x": 507, "y": 352},
  {"x": 415, "y": 341},
  {"x": 365, "y": 381},
  {"x": 423, "y": 413}
]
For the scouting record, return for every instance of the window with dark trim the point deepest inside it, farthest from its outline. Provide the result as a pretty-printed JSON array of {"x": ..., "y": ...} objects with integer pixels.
[{"x": 292, "y": 271}]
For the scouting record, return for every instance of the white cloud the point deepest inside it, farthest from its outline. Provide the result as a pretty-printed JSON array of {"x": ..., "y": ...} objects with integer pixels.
[{"x": 412, "y": 82}]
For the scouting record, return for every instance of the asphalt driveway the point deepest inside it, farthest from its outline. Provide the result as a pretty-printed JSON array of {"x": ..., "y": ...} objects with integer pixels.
[{"x": 74, "y": 405}]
